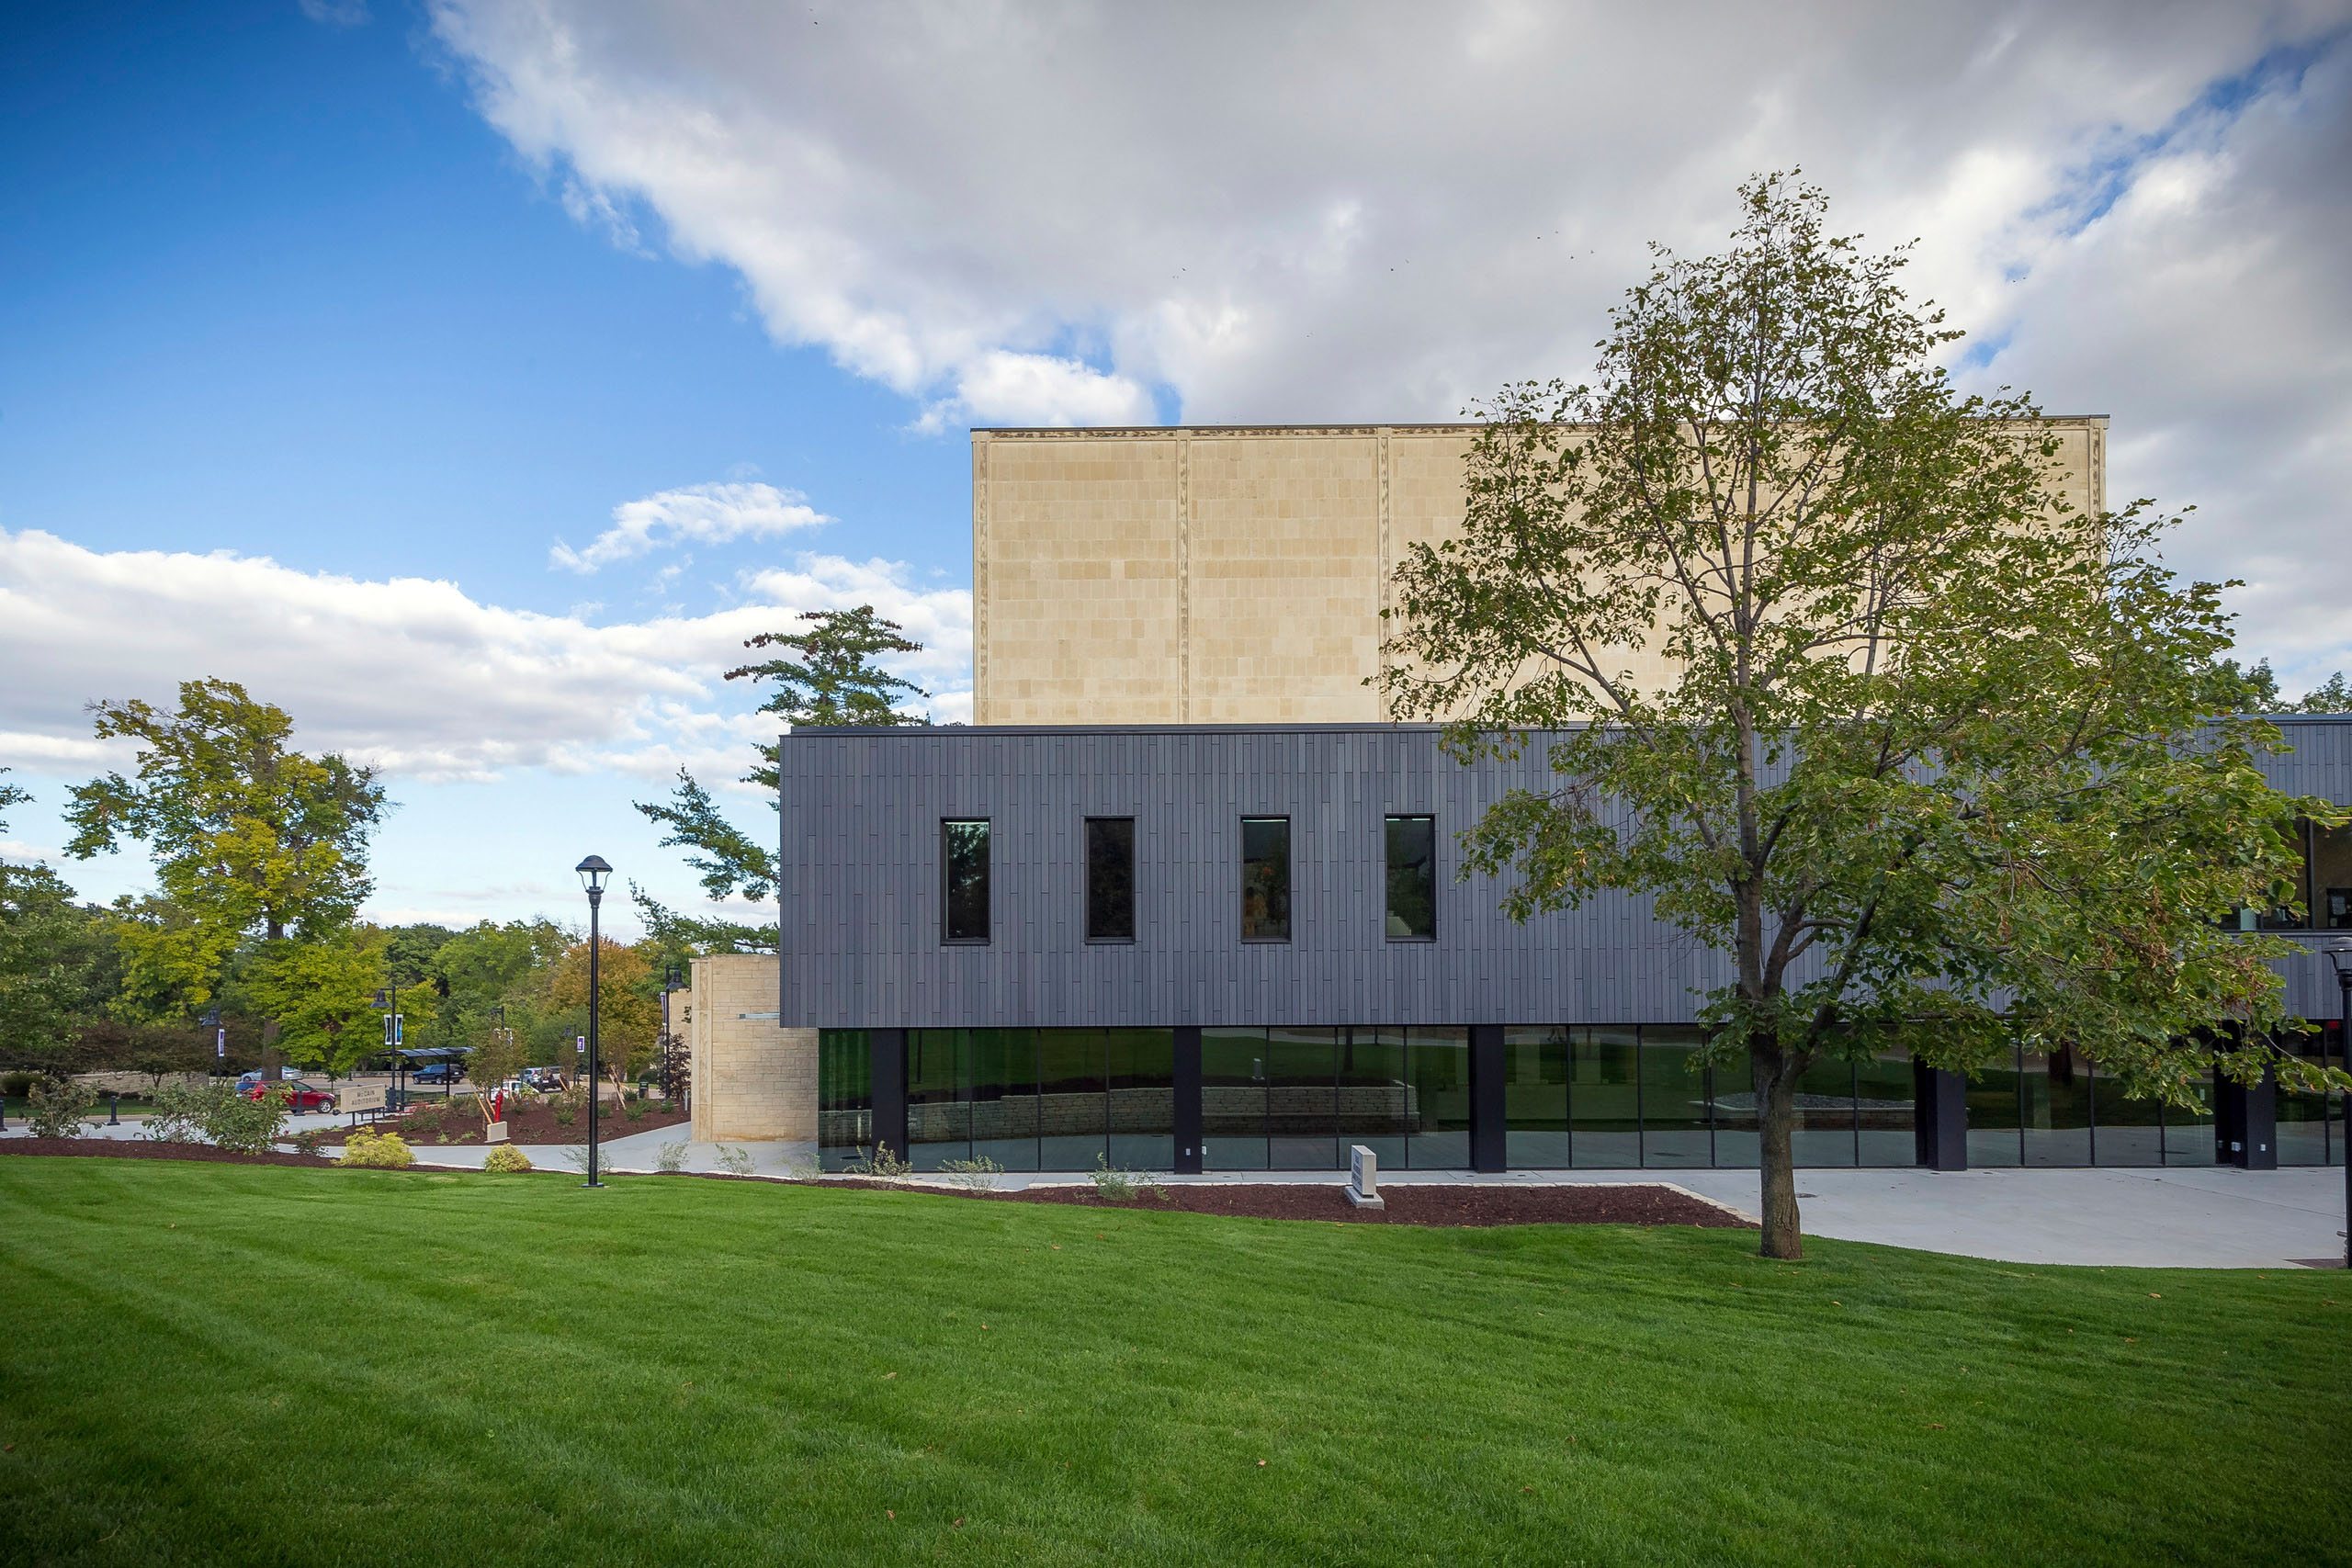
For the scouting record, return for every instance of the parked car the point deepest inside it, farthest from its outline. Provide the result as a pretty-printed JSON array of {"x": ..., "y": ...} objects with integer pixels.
[
  {"x": 298, "y": 1095},
  {"x": 438, "y": 1072},
  {"x": 546, "y": 1080}
]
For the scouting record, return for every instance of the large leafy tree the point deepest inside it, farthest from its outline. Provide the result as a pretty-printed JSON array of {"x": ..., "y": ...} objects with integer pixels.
[
  {"x": 253, "y": 841},
  {"x": 50, "y": 950},
  {"x": 828, "y": 674},
  {"x": 321, "y": 994},
  {"x": 1933, "y": 759}
]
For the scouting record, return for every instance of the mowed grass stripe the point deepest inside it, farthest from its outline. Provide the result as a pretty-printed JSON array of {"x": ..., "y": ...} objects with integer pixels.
[{"x": 348, "y": 1366}]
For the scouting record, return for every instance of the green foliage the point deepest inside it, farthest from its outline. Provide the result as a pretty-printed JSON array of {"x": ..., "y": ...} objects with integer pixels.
[
  {"x": 54, "y": 962},
  {"x": 380, "y": 1150},
  {"x": 830, "y": 676},
  {"x": 505, "y": 1159},
  {"x": 247, "y": 835},
  {"x": 2259, "y": 689},
  {"x": 321, "y": 994},
  {"x": 882, "y": 1165},
  {"x": 57, "y": 1108},
  {"x": 248, "y": 1126},
  {"x": 1930, "y": 756},
  {"x": 974, "y": 1175},
  {"x": 218, "y": 1114},
  {"x": 181, "y": 1114},
  {"x": 16, "y": 1085},
  {"x": 734, "y": 1161}
]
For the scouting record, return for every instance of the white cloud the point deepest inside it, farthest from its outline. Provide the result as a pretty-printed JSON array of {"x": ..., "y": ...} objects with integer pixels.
[
  {"x": 414, "y": 674},
  {"x": 709, "y": 514},
  {"x": 1359, "y": 211},
  {"x": 336, "y": 13}
]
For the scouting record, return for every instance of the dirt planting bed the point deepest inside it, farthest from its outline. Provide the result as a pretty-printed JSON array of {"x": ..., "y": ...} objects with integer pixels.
[
  {"x": 531, "y": 1126},
  {"x": 138, "y": 1148},
  {"x": 1450, "y": 1204}
]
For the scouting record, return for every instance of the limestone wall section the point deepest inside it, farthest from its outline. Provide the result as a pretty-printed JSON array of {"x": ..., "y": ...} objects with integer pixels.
[
  {"x": 752, "y": 1080},
  {"x": 1228, "y": 575}
]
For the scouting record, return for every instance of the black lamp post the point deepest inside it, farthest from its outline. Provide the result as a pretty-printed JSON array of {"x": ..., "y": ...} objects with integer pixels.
[
  {"x": 2339, "y": 954},
  {"x": 593, "y": 873}
]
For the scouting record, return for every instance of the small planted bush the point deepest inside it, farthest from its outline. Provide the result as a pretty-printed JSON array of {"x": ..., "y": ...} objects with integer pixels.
[
  {"x": 18, "y": 1085},
  {"x": 57, "y": 1110},
  {"x": 1120, "y": 1185},
  {"x": 506, "y": 1160},
  {"x": 883, "y": 1166},
  {"x": 634, "y": 1109},
  {"x": 974, "y": 1175},
  {"x": 381, "y": 1150},
  {"x": 734, "y": 1161},
  {"x": 672, "y": 1157}
]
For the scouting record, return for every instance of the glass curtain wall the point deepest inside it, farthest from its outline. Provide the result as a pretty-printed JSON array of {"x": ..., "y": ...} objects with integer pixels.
[
  {"x": 1297, "y": 1099},
  {"x": 1042, "y": 1099},
  {"x": 2311, "y": 1126},
  {"x": 1605, "y": 1097},
  {"x": 845, "y": 1096},
  {"x": 1885, "y": 1109},
  {"x": 1535, "y": 1097},
  {"x": 2057, "y": 1109},
  {"x": 1677, "y": 1125}
]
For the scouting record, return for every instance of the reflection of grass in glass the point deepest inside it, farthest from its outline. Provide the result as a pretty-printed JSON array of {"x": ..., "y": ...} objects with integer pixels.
[{"x": 1867, "y": 1405}]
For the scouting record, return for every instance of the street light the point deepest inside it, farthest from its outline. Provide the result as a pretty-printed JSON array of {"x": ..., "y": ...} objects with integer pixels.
[
  {"x": 2339, "y": 954},
  {"x": 593, "y": 873}
]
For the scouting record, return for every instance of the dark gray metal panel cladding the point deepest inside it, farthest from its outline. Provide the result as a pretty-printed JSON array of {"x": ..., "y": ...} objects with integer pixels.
[{"x": 862, "y": 886}]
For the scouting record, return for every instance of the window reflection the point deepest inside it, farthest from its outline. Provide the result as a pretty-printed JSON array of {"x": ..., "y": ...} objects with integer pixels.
[{"x": 1265, "y": 879}]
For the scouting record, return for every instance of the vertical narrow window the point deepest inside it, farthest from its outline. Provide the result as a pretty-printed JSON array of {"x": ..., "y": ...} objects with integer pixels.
[
  {"x": 1110, "y": 879},
  {"x": 1412, "y": 878},
  {"x": 965, "y": 853},
  {"x": 1265, "y": 879}
]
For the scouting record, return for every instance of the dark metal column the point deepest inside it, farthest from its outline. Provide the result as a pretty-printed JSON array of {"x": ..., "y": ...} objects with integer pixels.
[
  {"x": 890, "y": 1090},
  {"x": 1939, "y": 1117},
  {"x": 2246, "y": 1123},
  {"x": 1188, "y": 1101},
  {"x": 1488, "y": 1148}
]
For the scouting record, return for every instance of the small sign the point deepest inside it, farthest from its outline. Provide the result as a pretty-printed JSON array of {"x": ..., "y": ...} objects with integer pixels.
[
  {"x": 360, "y": 1096},
  {"x": 497, "y": 1132},
  {"x": 580, "y": 1043},
  {"x": 1363, "y": 1179},
  {"x": 220, "y": 1042}
]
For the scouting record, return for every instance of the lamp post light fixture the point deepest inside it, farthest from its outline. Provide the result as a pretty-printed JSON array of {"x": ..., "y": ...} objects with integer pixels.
[
  {"x": 2339, "y": 954},
  {"x": 593, "y": 872}
]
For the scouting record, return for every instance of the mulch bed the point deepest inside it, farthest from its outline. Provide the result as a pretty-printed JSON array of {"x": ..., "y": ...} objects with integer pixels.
[
  {"x": 1414, "y": 1204},
  {"x": 135, "y": 1148},
  {"x": 530, "y": 1126}
]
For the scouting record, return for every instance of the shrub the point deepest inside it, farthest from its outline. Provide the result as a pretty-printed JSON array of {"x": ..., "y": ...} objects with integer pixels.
[
  {"x": 883, "y": 1166},
  {"x": 307, "y": 1140},
  {"x": 248, "y": 1126},
  {"x": 505, "y": 1159},
  {"x": 974, "y": 1175},
  {"x": 567, "y": 1112},
  {"x": 672, "y": 1157},
  {"x": 58, "y": 1110},
  {"x": 1121, "y": 1185},
  {"x": 18, "y": 1085},
  {"x": 180, "y": 1113},
  {"x": 734, "y": 1161},
  {"x": 634, "y": 1109},
  {"x": 382, "y": 1150},
  {"x": 424, "y": 1118}
]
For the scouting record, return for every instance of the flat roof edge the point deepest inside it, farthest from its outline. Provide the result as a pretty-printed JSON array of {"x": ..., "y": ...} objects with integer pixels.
[{"x": 1138, "y": 432}]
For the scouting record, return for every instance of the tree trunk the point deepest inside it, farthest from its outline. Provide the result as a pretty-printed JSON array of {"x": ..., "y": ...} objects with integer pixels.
[{"x": 1775, "y": 1081}]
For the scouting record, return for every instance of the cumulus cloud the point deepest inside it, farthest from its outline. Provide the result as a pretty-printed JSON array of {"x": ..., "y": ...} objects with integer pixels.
[
  {"x": 708, "y": 514},
  {"x": 1074, "y": 213},
  {"x": 414, "y": 674}
]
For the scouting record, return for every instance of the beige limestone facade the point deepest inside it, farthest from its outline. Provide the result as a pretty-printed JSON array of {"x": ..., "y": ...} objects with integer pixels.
[
  {"x": 1227, "y": 574},
  {"x": 752, "y": 1080}
]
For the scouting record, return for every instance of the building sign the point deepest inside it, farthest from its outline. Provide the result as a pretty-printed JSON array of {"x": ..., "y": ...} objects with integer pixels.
[{"x": 360, "y": 1096}]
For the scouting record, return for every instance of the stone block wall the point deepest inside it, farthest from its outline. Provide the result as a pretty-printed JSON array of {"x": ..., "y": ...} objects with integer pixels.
[{"x": 753, "y": 1081}]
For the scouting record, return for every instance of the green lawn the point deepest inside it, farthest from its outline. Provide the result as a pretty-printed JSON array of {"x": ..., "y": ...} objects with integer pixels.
[{"x": 209, "y": 1363}]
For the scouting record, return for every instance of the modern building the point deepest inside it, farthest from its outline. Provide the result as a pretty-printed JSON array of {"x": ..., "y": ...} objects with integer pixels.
[{"x": 1182, "y": 900}]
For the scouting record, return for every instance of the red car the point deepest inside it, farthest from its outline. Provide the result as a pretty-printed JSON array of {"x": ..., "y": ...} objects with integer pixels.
[{"x": 298, "y": 1095}]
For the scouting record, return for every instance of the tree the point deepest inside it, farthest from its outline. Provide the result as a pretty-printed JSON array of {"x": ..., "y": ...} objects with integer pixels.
[
  {"x": 52, "y": 951},
  {"x": 628, "y": 1016},
  {"x": 497, "y": 1056},
  {"x": 1933, "y": 761},
  {"x": 321, "y": 995},
  {"x": 834, "y": 680},
  {"x": 250, "y": 838}
]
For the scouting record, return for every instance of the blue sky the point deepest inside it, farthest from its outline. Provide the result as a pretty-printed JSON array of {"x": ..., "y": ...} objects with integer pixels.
[{"x": 324, "y": 325}]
